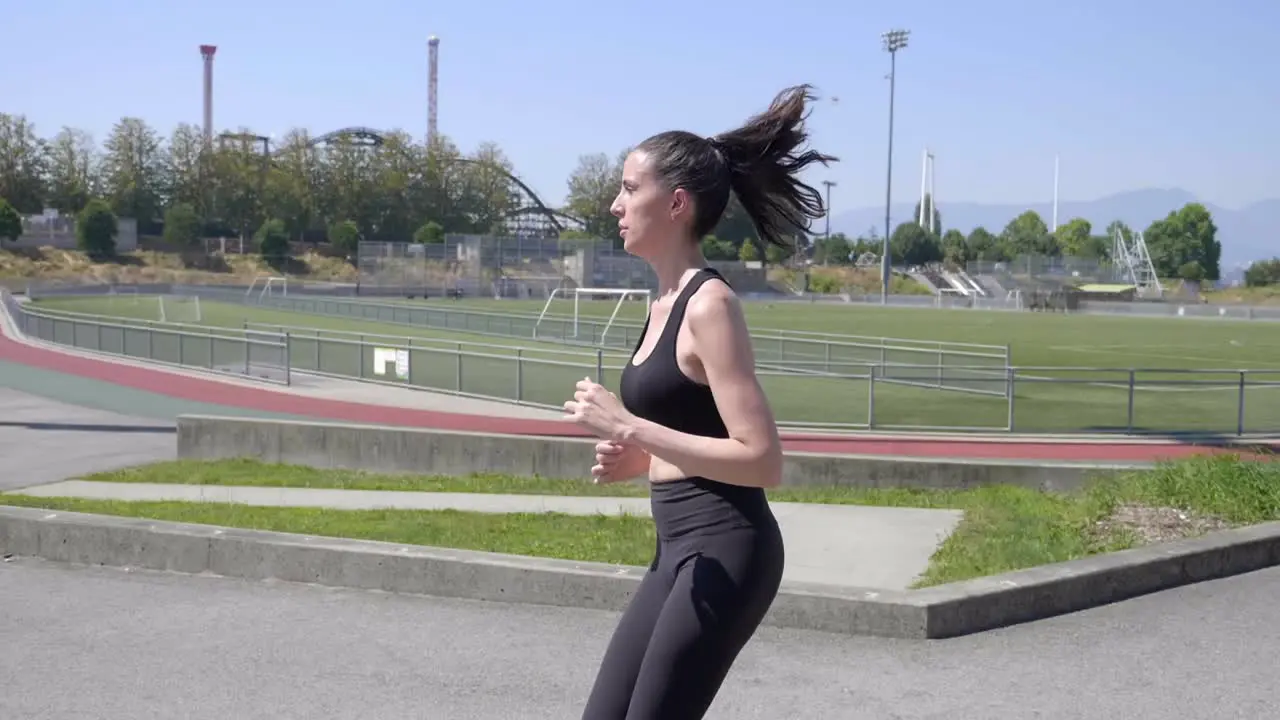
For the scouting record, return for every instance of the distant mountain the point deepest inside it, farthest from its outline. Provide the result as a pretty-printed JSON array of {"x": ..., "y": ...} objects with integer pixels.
[{"x": 1251, "y": 233}]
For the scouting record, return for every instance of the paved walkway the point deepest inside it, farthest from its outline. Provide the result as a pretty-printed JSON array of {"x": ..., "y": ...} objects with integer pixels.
[
  {"x": 44, "y": 441},
  {"x": 112, "y": 644},
  {"x": 869, "y": 547}
]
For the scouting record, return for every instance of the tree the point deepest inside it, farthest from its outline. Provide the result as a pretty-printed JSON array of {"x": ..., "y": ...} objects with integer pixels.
[
  {"x": 96, "y": 230},
  {"x": 748, "y": 252},
  {"x": 182, "y": 226},
  {"x": 1262, "y": 273},
  {"x": 1028, "y": 235},
  {"x": 982, "y": 245},
  {"x": 293, "y": 182},
  {"x": 955, "y": 251},
  {"x": 133, "y": 172},
  {"x": 22, "y": 165},
  {"x": 1184, "y": 236},
  {"x": 911, "y": 244},
  {"x": 833, "y": 250},
  {"x": 343, "y": 235},
  {"x": 429, "y": 233},
  {"x": 1191, "y": 272},
  {"x": 273, "y": 242},
  {"x": 72, "y": 165},
  {"x": 10, "y": 221},
  {"x": 188, "y": 171},
  {"x": 1073, "y": 237},
  {"x": 593, "y": 187},
  {"x": 714, "y": 248}
]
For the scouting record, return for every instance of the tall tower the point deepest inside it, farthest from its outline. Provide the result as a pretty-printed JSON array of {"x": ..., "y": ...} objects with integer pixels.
[
  {"x": 433, "y": 74},
  {"x": 206, "y": 52},
  {"x": 928, "y": 193}
]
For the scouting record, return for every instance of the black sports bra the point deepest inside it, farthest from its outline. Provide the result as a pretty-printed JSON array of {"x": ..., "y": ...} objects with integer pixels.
[{"x": 658, "y": 390}]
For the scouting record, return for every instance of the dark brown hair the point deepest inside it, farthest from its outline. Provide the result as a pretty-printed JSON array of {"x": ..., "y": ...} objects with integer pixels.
[{"x": 757, "y": 161}]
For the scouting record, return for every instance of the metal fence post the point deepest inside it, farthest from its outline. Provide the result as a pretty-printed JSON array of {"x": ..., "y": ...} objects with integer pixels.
[
  {"x": 458, "y": 368},
  {"x": 1240, "y": 406},
  {"x": 1010, "y": 382},
  {"x": 600, "y": 366},
  {"x": 871, "y": 398},
  {"x": 1132, "y": 387},
  {"x": 519, "y": 374},
  {"x": 288, "y": 361}
]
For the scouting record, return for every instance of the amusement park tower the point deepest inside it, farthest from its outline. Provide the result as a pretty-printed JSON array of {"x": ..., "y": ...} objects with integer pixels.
[
  {"x": 206, "y": 52},
  {"x": 433, "y": 74}
]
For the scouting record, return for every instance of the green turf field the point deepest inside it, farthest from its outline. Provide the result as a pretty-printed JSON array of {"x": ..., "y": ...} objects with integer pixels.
[{"x": 1044, "y": 346}]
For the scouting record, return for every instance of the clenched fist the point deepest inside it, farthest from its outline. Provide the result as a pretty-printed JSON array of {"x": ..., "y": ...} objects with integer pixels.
[{"x": 616, "y": 462}]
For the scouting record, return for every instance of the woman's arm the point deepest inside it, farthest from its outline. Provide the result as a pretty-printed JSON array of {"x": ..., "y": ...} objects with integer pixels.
[{"x": 752, "y": 454}]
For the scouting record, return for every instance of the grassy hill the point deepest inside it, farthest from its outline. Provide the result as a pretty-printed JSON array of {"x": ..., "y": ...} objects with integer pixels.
[{"x": 147, "y": 266}]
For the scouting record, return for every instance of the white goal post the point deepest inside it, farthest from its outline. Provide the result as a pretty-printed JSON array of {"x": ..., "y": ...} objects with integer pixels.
[
  {"x": 268, "y": 285},
  {"x": 180, "y": 309},
  {"x": 579, "y": 292},
  {"x": 127, "y": 292}
]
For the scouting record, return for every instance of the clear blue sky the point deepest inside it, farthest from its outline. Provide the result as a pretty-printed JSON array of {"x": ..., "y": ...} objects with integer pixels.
[{"x": 1130, "y": 93}]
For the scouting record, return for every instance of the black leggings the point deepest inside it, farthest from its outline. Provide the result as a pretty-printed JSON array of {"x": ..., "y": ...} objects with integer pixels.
[{"x": 695, "y": 609}]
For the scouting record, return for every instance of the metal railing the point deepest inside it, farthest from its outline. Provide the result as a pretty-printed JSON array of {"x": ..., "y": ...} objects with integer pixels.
[
  {"x": 842, "y": 396},
  {"x": 955, "y": 366},
  {"x": 249, "y": 354}
]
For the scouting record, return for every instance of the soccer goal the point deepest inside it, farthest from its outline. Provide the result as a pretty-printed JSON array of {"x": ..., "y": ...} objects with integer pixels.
[
  {"x": 267, "y": 285},
  {"x": 180, "y": 309},
  {"x": 589, "y": 295},
  {"x": 122, "y": 295}
]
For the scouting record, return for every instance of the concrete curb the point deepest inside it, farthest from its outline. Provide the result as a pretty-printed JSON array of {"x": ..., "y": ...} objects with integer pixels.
[
  {"x": 939, "y": 612},
  {"x": 397, "y": 449}
]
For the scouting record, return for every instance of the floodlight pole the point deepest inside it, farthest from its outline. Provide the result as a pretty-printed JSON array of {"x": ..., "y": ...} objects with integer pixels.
[
  {"x": 829, "y": 184},
  {"x": 894, "y": 40}
]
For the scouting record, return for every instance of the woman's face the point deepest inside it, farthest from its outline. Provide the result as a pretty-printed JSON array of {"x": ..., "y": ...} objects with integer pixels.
[{"x": 650, "y": 217}]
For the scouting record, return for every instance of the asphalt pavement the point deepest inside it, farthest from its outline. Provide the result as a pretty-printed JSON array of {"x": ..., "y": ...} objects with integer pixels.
[
  {"x": 43, "y": 441},
  {"x": 111, "y": 644}
]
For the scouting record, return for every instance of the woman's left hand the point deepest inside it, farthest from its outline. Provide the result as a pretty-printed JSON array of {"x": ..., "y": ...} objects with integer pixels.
[{"x": 599, "y": 411}]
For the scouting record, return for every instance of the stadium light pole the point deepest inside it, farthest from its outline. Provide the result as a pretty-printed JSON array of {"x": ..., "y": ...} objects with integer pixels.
[
  {"x": 894, "y": 40},
  {"x": 829, "y": 184}
]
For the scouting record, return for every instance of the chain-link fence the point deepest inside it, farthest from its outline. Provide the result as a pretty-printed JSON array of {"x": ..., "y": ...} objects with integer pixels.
[
  {"x": 1046, "y": 272},
  {"x": 491, "y": 266}
]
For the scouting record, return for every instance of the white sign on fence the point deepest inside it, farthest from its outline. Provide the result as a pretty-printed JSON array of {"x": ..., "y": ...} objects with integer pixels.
[{"x": 384, "y": 356}]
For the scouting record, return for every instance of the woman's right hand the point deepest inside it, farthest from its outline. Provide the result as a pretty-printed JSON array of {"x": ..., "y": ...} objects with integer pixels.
[{"x": 616, "y": 462}]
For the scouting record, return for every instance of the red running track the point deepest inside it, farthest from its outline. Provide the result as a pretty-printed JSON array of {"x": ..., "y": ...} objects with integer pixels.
[{"x": 213, "y": 391}]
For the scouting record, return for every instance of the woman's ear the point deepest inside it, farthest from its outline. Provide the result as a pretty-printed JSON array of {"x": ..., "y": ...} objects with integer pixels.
[{"x": 681, "y": 203}]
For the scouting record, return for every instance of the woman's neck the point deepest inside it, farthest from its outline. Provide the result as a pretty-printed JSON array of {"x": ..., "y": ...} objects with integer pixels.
[{"x": 672, "y": 268}]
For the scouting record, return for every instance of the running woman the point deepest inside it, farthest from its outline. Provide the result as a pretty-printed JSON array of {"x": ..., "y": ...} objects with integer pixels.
[{"x": 691, "y": 414}]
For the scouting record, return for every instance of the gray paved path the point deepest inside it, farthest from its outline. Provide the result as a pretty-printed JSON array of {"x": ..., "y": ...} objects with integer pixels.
[
  {"x": 44, "y": 441},
  {"x": 883, "y": 548},
  {"x": 113, "y": 645}
]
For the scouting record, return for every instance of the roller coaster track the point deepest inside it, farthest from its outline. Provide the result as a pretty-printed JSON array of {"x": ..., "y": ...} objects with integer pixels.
[{"x": 370, "y": 137}]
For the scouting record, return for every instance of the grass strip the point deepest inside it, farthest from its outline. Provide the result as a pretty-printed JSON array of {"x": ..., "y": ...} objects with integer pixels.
[
  {"x": 627, "y": 540},
  {"x": 1004, "y": 528}
]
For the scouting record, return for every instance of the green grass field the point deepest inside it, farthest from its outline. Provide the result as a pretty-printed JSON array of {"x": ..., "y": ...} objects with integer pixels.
[
  {"x": 1046, "y": 344},
  {"x": 1004, "y": 528}
]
